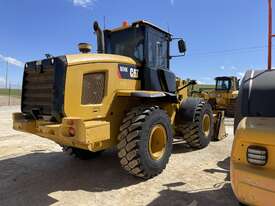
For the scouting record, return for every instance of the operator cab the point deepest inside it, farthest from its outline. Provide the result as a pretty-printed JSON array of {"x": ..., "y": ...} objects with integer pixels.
[
  {"x": 149, "y": 46},
  {"x": 227, "y": 83}
]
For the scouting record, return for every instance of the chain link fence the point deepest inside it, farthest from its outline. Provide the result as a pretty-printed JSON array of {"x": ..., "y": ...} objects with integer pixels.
[{"x": 10, "y": 95}]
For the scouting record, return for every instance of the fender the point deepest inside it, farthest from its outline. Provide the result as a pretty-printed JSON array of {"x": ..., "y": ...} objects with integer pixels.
[
  {"x": 151, "y": 95},
  {"x": 187, "y": 110}
]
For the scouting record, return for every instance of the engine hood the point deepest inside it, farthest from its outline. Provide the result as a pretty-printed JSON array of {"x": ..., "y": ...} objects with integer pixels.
[{"x": 76, "y": 59}]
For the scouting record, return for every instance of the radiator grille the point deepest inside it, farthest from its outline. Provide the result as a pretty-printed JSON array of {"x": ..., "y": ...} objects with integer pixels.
[
  {"x": 93, "y": 88},
  {"x": 38, "y": 89},
  {"x": 43, "y": 88}
]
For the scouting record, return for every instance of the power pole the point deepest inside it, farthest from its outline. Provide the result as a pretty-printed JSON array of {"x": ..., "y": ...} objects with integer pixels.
[
  {"x": 270, "y": 35},
  {"x": 9, "y": 95},
  {"x": 7, "y": 70}
]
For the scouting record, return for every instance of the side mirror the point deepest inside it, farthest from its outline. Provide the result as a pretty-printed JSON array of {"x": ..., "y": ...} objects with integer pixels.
[{"x": 182, "y": 46}]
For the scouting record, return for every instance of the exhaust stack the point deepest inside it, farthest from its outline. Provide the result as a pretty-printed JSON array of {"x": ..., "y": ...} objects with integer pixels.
[{"x": 100, "y": 38}]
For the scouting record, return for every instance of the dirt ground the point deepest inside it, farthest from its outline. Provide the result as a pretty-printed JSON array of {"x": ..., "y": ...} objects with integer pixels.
[
  {"x": 6, "y": 100},
  {"x": 34, "y": 171}
]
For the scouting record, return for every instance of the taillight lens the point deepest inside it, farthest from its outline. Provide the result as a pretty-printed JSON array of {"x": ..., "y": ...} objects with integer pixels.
[
  {"x": 72, "y": 131},
  {"x": 70, "y": 122},
  {"x": 257, "y": 155}
]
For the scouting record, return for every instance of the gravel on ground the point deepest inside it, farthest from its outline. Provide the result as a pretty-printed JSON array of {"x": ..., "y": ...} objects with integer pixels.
[{"x": 34, "y": 171}]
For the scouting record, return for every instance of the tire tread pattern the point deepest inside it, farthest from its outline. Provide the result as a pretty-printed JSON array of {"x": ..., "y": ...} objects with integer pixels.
[
  {"x": 129, "y": 137},
  {"x": 190, "y": 131}
]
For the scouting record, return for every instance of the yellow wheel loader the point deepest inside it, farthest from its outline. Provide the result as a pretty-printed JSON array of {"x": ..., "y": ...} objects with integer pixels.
[
  {"x": 224, "y": 97},
  {"x": 124, "y": 96}
]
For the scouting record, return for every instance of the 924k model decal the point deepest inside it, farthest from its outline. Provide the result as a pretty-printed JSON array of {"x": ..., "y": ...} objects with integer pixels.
[{"x": 128, "y": 72}]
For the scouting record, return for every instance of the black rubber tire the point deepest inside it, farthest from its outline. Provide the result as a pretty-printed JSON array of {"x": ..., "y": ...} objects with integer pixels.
[
  {"x": 134, "y": 139},
  {"x": 80, "y": 153},
  {"x": 192, "y": 132}
]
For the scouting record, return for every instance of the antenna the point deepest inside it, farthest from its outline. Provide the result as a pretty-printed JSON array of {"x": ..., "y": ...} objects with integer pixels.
[
  {"x": 104, "y": 22},
  {"x": 270, "y": 35}
]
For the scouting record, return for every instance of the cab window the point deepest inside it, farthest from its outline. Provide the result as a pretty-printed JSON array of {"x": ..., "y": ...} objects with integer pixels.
[
  {"x": 157, "y": 49},
  {"x": 223, "y": 85}
]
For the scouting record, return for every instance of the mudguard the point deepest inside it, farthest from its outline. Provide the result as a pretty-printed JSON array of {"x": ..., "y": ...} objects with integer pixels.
[
  {"x": 187, "y": 110},
  {"x": 149, "y": 95}
]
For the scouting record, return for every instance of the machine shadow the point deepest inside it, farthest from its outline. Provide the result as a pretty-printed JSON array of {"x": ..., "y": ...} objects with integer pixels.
[
  {"x": 32, "y": 177},
  {"x": 179, "y": 148},
  {"x": 208, "y": 196},
  {"x": 224, "y": 167}
]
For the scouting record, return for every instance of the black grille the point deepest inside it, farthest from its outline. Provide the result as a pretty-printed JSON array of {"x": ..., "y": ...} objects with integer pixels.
[{"x": 43, "y": 87}]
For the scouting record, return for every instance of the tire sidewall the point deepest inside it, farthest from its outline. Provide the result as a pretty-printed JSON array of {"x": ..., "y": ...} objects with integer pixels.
[
  {"x": 156, "y": 117},
  {"x": 205, "y": 140}
]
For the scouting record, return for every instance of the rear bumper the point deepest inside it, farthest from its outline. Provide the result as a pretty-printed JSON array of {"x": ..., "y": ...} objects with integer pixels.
[
  {"x": 252, "y": 185},
  {"x": 89, "y": 135}
]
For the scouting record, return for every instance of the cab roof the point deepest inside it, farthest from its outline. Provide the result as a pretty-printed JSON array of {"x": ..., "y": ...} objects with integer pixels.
[
  {"x": 225, "y": 78},
  {"x": 140, "y": 22}
]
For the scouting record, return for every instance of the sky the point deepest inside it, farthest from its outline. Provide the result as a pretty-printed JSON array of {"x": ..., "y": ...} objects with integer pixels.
[{"x": 223, "y": 37}]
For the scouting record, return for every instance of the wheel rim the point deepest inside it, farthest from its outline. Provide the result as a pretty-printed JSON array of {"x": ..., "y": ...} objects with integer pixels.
[
  {"x": 157, "y": 142},
  {"x": 206, "y": 125}
]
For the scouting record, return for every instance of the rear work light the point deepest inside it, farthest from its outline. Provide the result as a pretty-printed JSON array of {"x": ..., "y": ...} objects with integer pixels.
[{"x": 257, "y": 155}]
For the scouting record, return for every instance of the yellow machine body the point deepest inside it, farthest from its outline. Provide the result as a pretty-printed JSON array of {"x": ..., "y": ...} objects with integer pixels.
[
  {"x": 254, "y": 184},
  {"x": 92, "y": 122},
  {"x": 222, "y": 98}
]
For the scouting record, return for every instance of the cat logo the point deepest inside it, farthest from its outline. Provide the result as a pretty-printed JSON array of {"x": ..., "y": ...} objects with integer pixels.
[
  {"x": 134, "y": 73},
  {"x": 128, "y": 72}
]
